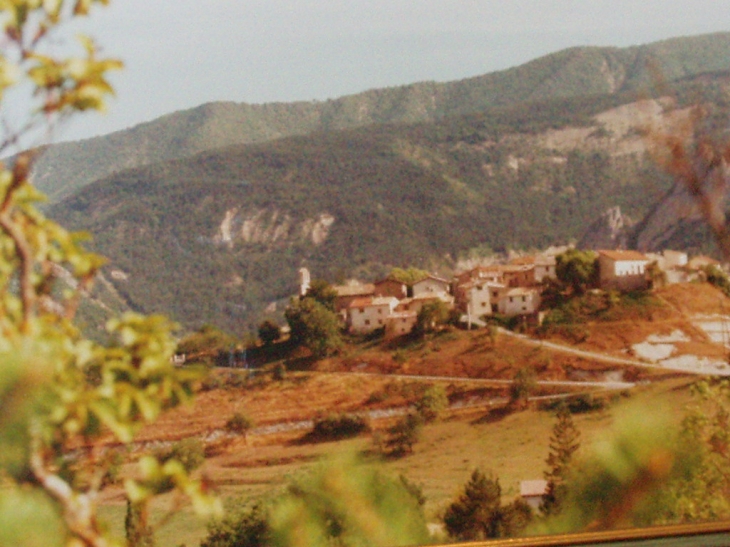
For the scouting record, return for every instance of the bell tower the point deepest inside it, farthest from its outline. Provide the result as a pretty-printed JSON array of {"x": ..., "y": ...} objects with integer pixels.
[{"x": 304, "y": 281}]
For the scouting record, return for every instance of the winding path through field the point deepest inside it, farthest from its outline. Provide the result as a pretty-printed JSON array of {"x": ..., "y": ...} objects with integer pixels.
[{"x": 692, "y": 364}]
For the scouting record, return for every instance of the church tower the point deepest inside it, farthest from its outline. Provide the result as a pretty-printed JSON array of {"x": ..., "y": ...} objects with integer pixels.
[{"x": 304, "y": 281}]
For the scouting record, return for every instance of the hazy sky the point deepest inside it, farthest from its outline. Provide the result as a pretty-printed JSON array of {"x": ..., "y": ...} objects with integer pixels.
[{"x": 182, "y": 53}]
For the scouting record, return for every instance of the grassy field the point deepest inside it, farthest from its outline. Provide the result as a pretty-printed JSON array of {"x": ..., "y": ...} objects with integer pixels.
[{"x": 513, "y": 445}]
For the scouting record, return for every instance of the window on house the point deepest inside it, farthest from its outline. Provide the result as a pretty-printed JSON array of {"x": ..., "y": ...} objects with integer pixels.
[
  {"x": 380, "y": 321},
  {"x": 484, "y": 304},
  {"x": 367, "y": 321},
  {"x": 362, "y": 310}
]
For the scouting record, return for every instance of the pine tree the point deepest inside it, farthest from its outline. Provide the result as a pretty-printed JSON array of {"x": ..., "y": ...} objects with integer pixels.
[
  {"x": 476, "y": 514},
  {"x": 564, "y": 442},
  {"x": 403, "y": 435}
]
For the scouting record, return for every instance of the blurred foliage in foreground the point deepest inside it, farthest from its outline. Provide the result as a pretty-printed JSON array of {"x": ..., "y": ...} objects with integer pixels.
[
  {"x": 61, "y": 393},
  {"x": 341, "y": 502},
  {"x": 643, "y": 472}
]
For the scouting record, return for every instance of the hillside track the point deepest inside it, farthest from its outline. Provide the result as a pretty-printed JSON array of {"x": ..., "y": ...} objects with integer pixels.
[{"x": 597, "y": 356}]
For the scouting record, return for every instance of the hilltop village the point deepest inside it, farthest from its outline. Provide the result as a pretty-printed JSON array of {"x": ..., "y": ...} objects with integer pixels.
[{"x": 508, "y": 289}]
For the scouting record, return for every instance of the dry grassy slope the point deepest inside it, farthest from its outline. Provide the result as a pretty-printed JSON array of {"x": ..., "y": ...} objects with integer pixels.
[
  {"x": 456, "y": 353},
  {"x": 512, "y": 445}
]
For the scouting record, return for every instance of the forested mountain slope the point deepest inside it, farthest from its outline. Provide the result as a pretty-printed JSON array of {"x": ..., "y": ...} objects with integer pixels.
[
  {"x": 219, "y": 236},
  {"x": 575, "y": 72}
]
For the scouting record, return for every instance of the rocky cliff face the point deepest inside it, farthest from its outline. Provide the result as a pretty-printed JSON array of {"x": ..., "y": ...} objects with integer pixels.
[
  {"x": 272, "y": 227},
  {"x": 610, "y": 231},
  {"x": 677, "y": 222}
]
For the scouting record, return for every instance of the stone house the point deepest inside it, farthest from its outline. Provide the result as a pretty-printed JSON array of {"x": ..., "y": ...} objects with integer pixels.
[
  {"x": 430, "y": 285},
  {"x": 367, "y": 314},
  {"x": 518, "y": 301},
  {"x": 399, "y": 323},
  {"x": 492, "y": 273},
  {"x": 477, "y": 298},
  {"x": 674, "y": 259},
  {"x": 349, "y": 292},
  {"x": 622, "y": 270},
  {"x": 519, "y": 275},
  {"x": 391, "y": 287},
  {"x": 543, "y": 267},
  {"x": 416, "y": 303}
]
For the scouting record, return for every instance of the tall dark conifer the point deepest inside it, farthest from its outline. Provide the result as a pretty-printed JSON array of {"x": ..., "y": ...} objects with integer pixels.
[
  {"x": 476, "y": 514},
  {"x": 564, "y": 442}
]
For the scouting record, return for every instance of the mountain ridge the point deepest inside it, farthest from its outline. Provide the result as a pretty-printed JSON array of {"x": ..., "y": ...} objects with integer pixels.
[
  {"x": 218, "y": 235},
  {"x": 573, "y": 72}
]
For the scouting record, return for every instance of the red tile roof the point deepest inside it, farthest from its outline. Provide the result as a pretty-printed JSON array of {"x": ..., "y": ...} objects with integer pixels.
[
  {"x": 624, "y": 255},
  {"x": 358, "y": 289},
  {"x": 361, "y": 302}
]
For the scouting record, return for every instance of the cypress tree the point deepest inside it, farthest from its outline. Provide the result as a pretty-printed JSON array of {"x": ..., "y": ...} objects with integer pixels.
[{"x": 564, "y": 442}]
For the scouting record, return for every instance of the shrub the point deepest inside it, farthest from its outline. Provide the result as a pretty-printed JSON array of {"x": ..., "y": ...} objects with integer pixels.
[
  {"x": 211, "y": 382},
  {"x": 432, "y": 315},
  {"x": 585, "y": 402},
  {"x": 269, "y": 332},
  {"x": 114, "y": 471},
  {"x": 403, "y": 435},
  {"x": 242, "y": 527},
  {"x": 189, "y": 452},
  {"x": 239, "y": 423},
  {"x": 279, "y": 372},
  {"x": 577, "y": 404},
  {"x": 399, "y": 356},
  {"x": 338, "y": 426},
  {"x": 523, "y": 386},
  {"x": 432, "y": 403}
]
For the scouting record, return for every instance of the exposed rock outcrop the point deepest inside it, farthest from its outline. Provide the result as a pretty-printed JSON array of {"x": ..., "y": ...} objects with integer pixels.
[
  {"x": 272, "y": 227},
  {"x": 610, "y": 231},
  {"x": 677, "y": 222}
]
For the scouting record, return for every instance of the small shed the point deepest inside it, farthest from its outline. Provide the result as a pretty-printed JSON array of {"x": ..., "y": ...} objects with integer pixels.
[{"x": 533, "y": 492}]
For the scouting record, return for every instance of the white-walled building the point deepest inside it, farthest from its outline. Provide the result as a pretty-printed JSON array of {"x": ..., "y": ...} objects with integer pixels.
[
  {"x": 622, "y": 270},
  {"x": 518, "y": 301},
  {"x": 364, "y": 315},
  {"x": 430, "y": 285},
  {"x": 674, "y": 259},
  {"x": 478, "y": 298}
]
